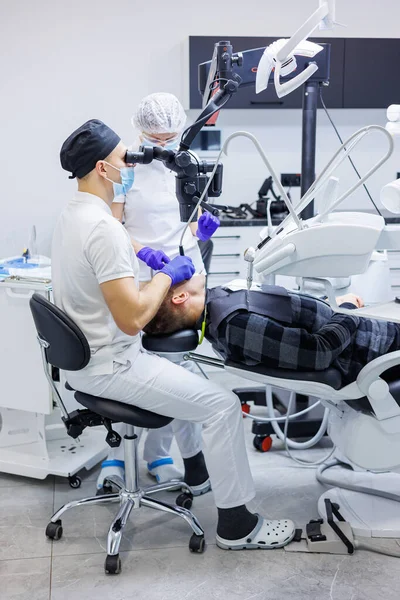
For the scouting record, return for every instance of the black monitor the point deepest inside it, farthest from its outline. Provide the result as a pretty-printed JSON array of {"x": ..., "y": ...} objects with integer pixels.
[{"x": 207, "y": 140}]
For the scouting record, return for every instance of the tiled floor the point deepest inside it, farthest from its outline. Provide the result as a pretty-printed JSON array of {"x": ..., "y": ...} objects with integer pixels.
[{"x": 155, "y": 557}]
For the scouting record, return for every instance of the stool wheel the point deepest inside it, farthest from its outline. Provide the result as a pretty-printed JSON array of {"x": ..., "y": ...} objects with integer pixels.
[
  {"x": 112, "y": 566},
  {"x": 262, "y": 443},
  {"x": 54, "y": 531},
  {"x": 185, "y": 500},
  {"x": 197, "y": 544},
  {"x": 75, "y": 481}
]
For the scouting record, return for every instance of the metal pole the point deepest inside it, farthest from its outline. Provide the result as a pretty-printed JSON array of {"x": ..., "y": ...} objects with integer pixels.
[
  {"x": 309, "y": 132},
  {"x": 308, "y": 149}
]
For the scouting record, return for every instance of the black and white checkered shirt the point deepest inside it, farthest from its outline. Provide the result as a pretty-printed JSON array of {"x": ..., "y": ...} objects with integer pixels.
[{"x": 317, "y": 339}]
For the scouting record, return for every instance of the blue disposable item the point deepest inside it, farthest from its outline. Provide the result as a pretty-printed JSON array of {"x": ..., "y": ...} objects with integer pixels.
[{"x": 18, "y": 263}]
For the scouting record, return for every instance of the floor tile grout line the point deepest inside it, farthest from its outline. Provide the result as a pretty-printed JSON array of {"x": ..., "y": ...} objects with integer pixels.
[
  {"x": 127, "y": 551},
  {"x": 51, "y": 572},
  {"x": 5, "y": 560},
  {"x": 52, "y": 543}
]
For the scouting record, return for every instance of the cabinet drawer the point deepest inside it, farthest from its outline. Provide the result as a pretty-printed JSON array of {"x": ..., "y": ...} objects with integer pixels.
[
  {"x": 225, "y": 262},
  {"x": 394, "y": 260},
  {"x": 227, "y": 271},
  {"x": 395, "y": 277},
  {"x": 230, "y": 244},
  {"x": 215, "y": 279}
]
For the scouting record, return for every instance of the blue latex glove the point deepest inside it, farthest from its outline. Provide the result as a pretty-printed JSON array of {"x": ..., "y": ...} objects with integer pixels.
[
  {"x": 179, "y": 269},
  {"x": 155, "y": 259},
  {"x": 207, "y": 225}
]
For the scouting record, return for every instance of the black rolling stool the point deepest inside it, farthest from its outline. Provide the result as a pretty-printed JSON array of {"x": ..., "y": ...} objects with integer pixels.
[{"x": 63, "y": 345}]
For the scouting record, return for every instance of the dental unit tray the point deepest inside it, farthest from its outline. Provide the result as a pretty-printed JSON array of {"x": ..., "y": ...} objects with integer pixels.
[
  {"x": 18, "y": 269},
  {"x": 330, "y": 244}
]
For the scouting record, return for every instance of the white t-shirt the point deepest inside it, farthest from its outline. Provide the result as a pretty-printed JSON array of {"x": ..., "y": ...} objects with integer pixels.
[
  {"x": 90, "y": 247},
  {"x": 151, "y": 215}
]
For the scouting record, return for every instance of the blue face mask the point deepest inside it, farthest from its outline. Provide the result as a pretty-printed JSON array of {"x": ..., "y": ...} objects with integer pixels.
[
  {"x": 171, "y": 145},
  {"x": 127, "y": 179}
]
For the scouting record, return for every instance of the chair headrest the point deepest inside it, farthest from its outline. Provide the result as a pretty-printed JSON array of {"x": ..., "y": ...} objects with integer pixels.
[
  {"x": 180, "y": 341},
  {"x": 68, "y": 348}
]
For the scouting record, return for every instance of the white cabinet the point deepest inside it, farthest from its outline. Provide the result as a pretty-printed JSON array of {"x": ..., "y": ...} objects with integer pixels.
[
  {"x": 24, "y": 385},
  {"x": 33, "y": 439},
  {"x": 227, "y": 263},
  {"x": 394, "y": 265},
  {"x": 230, "y": 244}
]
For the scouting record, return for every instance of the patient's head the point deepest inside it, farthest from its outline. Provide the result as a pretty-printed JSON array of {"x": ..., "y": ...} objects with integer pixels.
[{"x": 181, "y": 308}]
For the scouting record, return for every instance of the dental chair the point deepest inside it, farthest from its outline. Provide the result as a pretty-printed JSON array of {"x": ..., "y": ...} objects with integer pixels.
[
  {"x": 364, "y": 425},
  {"x": 364, "y": 417},
  {"x": 64, "y": 346}
]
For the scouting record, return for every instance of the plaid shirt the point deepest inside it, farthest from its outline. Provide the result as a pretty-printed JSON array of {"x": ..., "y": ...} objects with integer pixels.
[{"x": 317, "y": 339}]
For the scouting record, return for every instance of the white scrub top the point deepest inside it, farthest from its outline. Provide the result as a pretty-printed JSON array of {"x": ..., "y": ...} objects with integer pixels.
[
  {"x": 152, "y": 215},
  {"x": 91, "y": 247}
]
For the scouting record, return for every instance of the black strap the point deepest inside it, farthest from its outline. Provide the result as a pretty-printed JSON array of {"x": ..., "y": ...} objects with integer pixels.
[{"x": 333, "y": 509}]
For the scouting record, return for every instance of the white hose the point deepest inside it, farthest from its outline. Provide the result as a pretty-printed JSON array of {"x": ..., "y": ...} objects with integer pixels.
[
  {"x": 280, "y": 434},
  {"x": 283, "y": 418},
  {"x": 331, "y": 481}
]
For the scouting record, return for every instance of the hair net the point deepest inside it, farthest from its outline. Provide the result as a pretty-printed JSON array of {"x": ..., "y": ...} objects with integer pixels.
[{"x": 160, "y": 113}]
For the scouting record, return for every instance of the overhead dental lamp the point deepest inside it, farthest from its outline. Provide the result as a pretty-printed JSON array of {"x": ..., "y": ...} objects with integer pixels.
[{"x": 280, "y": 56}]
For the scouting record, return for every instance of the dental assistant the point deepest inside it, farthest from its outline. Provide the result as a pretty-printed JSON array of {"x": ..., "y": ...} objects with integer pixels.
[
  {"x": 150, "y": 210},
  {"x": 150, "y": 213}
]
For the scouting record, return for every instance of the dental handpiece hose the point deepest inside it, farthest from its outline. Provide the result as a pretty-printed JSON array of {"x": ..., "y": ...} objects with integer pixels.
[{"x": 249, "y": 276}]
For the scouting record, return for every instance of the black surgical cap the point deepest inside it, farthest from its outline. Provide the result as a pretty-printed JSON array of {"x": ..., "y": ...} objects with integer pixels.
[{"x": 91, "y": 142}]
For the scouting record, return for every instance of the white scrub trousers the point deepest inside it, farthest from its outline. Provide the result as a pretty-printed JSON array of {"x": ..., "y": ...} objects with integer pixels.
[
  {"x": 158, "y": 442},
  {"x": 154, "y": 383},
  {"x": 157, "y": 445}
]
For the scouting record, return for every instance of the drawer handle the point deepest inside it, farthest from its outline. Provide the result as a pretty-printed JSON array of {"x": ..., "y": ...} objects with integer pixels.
[
  {"x": 267, "y": 103},
  {"x": 226, "y": 237},
  {"x": 224, "y": 273},
  {"x": 215, "y": 255}
]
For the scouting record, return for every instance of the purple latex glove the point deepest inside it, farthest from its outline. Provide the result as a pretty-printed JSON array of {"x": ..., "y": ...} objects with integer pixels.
[
  {"x": 179, "y": 269},
  {"x": 155, "y": 259},
  {"x": 207, "y": 225}
]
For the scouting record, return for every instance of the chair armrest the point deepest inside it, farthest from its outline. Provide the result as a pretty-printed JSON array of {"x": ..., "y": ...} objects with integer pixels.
[
  {"x": 376, "y": 389},
  {"x": 372, "y": 371}
]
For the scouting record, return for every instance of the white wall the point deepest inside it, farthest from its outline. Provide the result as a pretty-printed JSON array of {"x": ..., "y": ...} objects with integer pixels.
[{"x": 65, "y": 62}]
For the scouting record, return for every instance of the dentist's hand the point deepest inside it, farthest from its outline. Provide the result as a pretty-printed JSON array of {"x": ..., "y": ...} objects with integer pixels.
[
  {"x": 155, "y": 259},
  {"x": 179, "y": 269},
  {"x": 207, "y": 226}
]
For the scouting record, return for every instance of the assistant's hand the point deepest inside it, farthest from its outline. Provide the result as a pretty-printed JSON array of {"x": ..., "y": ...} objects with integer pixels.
[
  {"x": 179, "y": 269},
  {"x": 207, "y": 225},
  {"x": 155, "y": 259},
  {"x": 352, "y": 298}
]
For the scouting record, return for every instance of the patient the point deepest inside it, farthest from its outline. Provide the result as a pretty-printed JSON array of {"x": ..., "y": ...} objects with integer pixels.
[{"x": 277, "y": 328}]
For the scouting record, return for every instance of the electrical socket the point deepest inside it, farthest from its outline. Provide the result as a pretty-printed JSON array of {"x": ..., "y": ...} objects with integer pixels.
[{"x": 291, "y": 179}]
